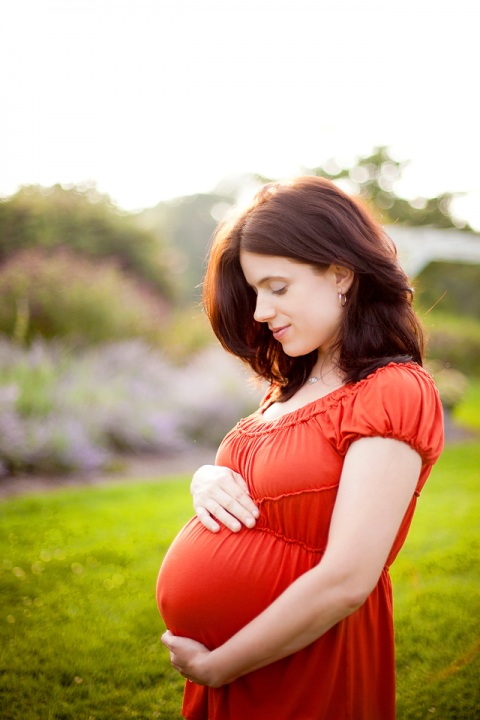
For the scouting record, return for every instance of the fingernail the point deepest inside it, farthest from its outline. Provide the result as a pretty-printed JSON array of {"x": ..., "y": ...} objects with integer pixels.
[
  {"x": 256, "y": 513},
  {"x": 236, "y": 527},
  {"x": 249, "y": 522}
]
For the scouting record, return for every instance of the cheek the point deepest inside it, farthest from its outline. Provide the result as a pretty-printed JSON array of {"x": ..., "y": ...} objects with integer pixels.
[
  {"x": 326, "y": 318},
  {"x": 324, "y": 305}
]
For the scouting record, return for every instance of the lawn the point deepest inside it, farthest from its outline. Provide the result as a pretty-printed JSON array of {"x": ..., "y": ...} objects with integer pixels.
[
  {"x": 81, "y": 632},
  {"x": 468, "y": 412},
  {"x": 79, "y": 622},
  {"x": 436, "y": 582}
]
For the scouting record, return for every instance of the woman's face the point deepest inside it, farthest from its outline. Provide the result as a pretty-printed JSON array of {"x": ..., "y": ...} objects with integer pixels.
[{"x": 300, "y": 305}]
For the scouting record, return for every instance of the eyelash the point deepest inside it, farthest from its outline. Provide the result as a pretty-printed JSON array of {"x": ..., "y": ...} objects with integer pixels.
[{"x": 280, "y": 292}]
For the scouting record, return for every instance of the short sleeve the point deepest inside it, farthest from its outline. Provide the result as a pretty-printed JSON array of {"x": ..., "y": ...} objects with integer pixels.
[{"x": 398, "y": 401}]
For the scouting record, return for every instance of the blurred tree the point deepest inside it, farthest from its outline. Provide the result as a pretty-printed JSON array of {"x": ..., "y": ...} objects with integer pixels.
[
  {"x": 90, "y": 224},
  {"x": 454, "y": 285},
  {"x": 188, "y": 224},
  {"x": 373, "y": 178}
]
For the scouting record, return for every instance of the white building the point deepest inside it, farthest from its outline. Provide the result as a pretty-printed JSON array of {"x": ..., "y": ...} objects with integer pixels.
[{"x": 418, "y": 246}]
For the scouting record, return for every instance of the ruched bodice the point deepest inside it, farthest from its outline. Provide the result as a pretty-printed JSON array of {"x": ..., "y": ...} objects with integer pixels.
[
  {"x": 287, "y": 487},
  {"x": 211, "y": 585}
]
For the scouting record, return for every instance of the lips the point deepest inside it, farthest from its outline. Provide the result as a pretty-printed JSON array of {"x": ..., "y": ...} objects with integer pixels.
[{"x": 279, "y": 333}]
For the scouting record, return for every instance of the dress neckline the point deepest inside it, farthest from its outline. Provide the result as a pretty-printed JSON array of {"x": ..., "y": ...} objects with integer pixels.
[
  {"x": 297, "y": 411},
  {"x": 257, "y": 423}
]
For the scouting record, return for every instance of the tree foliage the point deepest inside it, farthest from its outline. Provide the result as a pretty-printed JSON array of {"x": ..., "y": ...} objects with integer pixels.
[
  {"x": 188, "y": 225},
  {"x": 373, "y": 178},
  {"x": 87, "y": 222}
]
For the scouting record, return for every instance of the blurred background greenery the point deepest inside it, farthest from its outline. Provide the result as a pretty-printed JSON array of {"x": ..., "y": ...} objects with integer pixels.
[
  {"x": 105, "y": 353},
  {"x": 105, "y": 349},
  {"x": 106, "y": 360},
  {"x": 80, "y": 630}
]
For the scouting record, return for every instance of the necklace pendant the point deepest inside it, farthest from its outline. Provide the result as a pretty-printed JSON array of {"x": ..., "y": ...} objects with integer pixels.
[{"x": 312, "y": 380}]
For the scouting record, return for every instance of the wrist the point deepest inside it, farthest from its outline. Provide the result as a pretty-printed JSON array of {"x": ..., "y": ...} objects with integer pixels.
[{"x": 213, "y": 670}]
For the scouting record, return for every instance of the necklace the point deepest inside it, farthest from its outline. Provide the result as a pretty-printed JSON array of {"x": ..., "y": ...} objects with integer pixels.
[{"x": 315, "y": 379}]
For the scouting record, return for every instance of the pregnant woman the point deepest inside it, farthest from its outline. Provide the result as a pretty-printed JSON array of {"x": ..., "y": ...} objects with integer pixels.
[{"x": 284, "y": 610}]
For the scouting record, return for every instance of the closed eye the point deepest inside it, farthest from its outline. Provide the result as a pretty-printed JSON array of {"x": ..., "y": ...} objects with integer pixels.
[{"x": 280, "y": 292}]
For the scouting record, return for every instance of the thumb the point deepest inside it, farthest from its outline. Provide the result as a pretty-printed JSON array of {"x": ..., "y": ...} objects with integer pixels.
[{"x": 168, "y": 639}]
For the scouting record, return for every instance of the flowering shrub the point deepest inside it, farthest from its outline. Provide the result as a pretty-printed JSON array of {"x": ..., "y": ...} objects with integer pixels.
[
  {"x": 66, "y": 295},
  {"x": 90, "y": 225},
  {"x": 213, "y": 392},
  {"x": 61, "y": 410}
]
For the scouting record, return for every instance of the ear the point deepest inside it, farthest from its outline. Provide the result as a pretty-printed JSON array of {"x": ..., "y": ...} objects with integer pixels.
[{"x": 343, "y": 278}]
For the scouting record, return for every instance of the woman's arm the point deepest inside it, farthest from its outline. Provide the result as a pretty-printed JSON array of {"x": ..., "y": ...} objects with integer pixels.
[
  {"x": 378, "y": 481},
  {"x": 221, "y": 493}
]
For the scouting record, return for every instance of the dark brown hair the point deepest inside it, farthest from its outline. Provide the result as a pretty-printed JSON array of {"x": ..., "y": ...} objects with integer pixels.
[{"x": 310, "y": 220}]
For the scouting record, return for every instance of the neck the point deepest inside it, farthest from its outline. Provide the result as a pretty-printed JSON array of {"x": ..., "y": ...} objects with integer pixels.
[{"x": 327, "y": 367}]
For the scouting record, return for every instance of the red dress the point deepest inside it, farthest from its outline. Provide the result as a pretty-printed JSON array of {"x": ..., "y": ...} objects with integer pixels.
[{"x": 211, "y": 585}]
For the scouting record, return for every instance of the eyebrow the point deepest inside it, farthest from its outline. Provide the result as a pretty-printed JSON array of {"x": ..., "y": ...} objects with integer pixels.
[{"x": 271, "y": 277}]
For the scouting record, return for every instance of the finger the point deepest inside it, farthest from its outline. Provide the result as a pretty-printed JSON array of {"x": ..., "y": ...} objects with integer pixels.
[
  {"x": 238, "y": 504},
  {"x": 210, "y": 511},
  {"x": 206, "y": 519},
  {"x": 224, "y": 517},
  {"x": 235, "y": 486},
  {"x": 210, "y": 479},
  {"x": 244, "y": 498},
  {"x": 231, "y": 518},
  {"x": 228, "y": 511},
  {"x": 241, "y": 482},
  {"x": 219, "y": 489}
]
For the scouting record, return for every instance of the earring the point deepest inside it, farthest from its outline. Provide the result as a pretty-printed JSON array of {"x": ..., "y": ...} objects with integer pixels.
[{"x": 342, "y": 298}]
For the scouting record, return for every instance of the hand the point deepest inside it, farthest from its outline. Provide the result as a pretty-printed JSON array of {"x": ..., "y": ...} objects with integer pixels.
[
  {"x": 221, "y": 493},
  {"x": 190, "y": 658}
]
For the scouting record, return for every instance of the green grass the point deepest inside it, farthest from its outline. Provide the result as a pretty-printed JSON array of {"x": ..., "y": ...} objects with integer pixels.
[
  {"x": 436, "y": 582},
  {"x": 85, "y": 638},
  {"x": 79, "y": 624},
  {"x": 468, "y": 411}
]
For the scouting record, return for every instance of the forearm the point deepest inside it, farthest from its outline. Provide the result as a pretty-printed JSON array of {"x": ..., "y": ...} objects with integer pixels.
[
  {"x": 306, "y": 610},
  {"x": 378, "y": 480}
]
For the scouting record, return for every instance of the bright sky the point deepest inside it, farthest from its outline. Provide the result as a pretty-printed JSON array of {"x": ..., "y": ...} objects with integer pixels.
[{"x": 155, "y": 99}]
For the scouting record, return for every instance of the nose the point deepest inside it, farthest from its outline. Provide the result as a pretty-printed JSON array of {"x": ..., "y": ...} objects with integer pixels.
[{"x": 264, "y": 310}]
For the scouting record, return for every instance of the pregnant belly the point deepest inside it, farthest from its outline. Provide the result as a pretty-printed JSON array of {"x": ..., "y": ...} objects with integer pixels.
[{"x": 212, "y": 584}]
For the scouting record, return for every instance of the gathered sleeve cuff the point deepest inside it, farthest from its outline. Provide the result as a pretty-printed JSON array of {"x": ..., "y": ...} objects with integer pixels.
[{"x": 398, "y": 401}]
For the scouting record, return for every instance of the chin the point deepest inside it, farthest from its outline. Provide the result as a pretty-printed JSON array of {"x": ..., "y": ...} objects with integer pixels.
[{"x": 292, "y": 352}]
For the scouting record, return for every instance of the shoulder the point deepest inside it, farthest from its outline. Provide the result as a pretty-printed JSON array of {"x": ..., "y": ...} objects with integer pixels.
[
  {"x": 396, "y": 384},
  {"x": 399, "y": 401}
]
